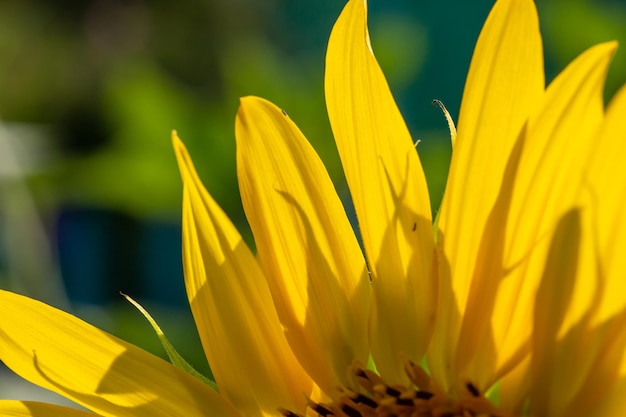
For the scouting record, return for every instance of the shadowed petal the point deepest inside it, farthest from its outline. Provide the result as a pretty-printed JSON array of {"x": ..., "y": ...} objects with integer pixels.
[
  {"x": 57, "y": 351},
  {"x": 306, "y": 245},
  {"x": 389, "y": 193},
  {"x": 233, "y": 309},
  {"x": 554, "y": 298}
]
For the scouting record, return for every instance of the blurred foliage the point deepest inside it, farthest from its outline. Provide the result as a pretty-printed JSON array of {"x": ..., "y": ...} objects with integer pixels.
[{"x": 571, "y": 26}]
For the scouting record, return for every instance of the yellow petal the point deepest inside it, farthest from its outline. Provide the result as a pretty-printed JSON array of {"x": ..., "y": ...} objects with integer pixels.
[
  {"x": 9, "y": 408},
  {"x": 504, "y": 84},
  {"x": 389, "y": 193},
  {"x": 59, "y": 352},
  {"x": 233, "y": 309},
  {"x": 305, "y": 243}
]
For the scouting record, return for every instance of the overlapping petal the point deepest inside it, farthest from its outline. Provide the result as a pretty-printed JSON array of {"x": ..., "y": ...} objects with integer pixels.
[
  {"x": 233, "y": 309},
  {"x": 389, "y": 192},
  {"x": 59, "y": 352},
  {"x": 306, "y": 245},
  {"x": 504, "y": 85}
]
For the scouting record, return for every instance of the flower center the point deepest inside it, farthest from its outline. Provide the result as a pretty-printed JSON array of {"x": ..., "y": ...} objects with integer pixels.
[{"x": 375, "y": 398}]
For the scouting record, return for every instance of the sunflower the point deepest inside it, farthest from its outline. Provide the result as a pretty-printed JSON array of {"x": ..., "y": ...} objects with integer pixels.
[{"x": 510, "y": 302}]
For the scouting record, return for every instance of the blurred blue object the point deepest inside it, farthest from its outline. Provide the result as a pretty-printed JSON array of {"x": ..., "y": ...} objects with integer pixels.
[{"x": 102, "y": 252}]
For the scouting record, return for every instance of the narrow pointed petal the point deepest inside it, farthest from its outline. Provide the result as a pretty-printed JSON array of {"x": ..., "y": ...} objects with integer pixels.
[
  {"x": 233, "y": 309},
  {"x": 389, "y": 192},
  {"x": 10, "y": 408},
  {"x": 59, "y": 352},
  {"x": 504, "y": 84},
  {"x": 305, "y": 243}
]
